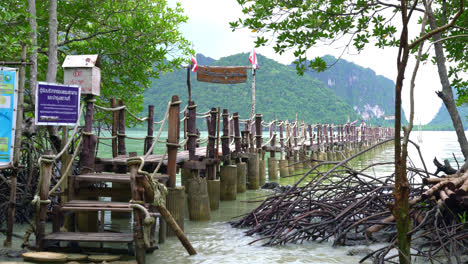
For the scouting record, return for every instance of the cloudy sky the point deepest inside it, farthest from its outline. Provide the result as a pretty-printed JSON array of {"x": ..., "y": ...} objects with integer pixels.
[{"x": 208, "y": 27}]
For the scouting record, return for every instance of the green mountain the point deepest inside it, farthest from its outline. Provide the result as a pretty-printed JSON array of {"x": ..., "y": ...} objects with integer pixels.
[
  {"x": 371, "y": 96},
  {"x": 279, "y": 91},
  {"x": 442, "y": 120}
]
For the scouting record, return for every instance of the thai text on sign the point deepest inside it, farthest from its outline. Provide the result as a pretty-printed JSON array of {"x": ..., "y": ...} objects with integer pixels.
[{"x": 57, "y": 104}]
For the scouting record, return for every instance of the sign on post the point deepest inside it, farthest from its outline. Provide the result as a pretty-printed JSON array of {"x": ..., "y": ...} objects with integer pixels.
[
  {"x": 8, "y": 102},
  {"x": 57, "y": 104},
  {"x": 218, "y": 74}
]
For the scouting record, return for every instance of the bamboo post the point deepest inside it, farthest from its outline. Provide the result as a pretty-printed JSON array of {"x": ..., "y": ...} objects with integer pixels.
[
  {"x": 173, "y": 140},
  {"x": 44, "y": 185},
  {"x": 121, "y": 149},
  {"x": 149, "y": 135},
  {"x": 16, "y": 150}
]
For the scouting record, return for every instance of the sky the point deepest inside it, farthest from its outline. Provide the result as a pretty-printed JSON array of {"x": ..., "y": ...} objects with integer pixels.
[{"x": 208, "y": 28}]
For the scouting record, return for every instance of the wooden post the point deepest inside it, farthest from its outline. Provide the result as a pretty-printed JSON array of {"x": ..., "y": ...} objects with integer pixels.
[
  {"x": 149, "y": 135},
  {"x": 237, "y": 137},
  {"x": 311, "y": 136},
  {"x": 210, "y": 147},
  {"x": 218, "y": 116},
  {"x": 192, "y": 129},
  {"x": 173, "y": 140},
  {"x": 17, "y": 149},
  {"x": 115, "y": 125},
  {"x": 273, "y": 141},
  {"x": 121, "y": 146},
  {"x": 185, "y": 128},
  {"x": 89, "y": 141},
  {"x": 137, "y": 195},
  {"x": 281, "y": 139},
  {"x": 225, "y": 138},
  {"x": 44, "y": 186},
  {"x": 258, "y": 132}
]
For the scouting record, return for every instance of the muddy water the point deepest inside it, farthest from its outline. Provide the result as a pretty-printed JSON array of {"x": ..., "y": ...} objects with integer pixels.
[{"x": 217, "y": 242}]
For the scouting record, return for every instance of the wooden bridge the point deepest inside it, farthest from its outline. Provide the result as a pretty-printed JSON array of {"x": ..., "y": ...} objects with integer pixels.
[{"x": 141, "y": 181}]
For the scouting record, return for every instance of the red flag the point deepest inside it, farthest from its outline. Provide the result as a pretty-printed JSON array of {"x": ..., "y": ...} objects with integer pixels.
[
  {"x": 194, "y": 60},
  {"x": 253, "y": 59},
  {"x": 194, "y": 64}
]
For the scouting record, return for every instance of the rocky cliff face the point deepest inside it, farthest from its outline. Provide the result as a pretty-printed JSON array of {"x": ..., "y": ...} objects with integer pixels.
[{"x": 370, "y": 95}]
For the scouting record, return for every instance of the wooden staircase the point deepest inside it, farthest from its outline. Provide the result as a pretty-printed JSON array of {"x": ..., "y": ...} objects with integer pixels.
[{"x": 78, "y": 205}]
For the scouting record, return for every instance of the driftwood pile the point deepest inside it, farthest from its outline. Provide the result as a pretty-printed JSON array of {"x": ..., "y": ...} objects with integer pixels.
[{"x": 352, "y": 207}]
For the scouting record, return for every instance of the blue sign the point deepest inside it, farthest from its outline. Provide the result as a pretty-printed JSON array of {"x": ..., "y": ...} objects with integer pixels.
[
  {"x": 8, "y": 101},
  {"x": 57, "y": 104}
]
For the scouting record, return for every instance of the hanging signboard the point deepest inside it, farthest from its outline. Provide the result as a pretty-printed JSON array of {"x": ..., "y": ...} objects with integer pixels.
[
  {"x": 8, "y": 102},
  {"x": 218, "y": 74},
  {"x": 57, "y": 104}
]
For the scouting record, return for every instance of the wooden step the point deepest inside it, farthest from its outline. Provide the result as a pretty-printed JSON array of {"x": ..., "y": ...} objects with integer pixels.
[
  {"x": 113, "y": 177},
  {"x": 91, "y": 237},
  {"x": 85, "y": 205}
]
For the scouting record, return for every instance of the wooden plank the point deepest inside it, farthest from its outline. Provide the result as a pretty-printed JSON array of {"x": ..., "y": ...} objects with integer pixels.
[
  {"x": 114, "y": 177},
  {"x": 91, "y": 237}
]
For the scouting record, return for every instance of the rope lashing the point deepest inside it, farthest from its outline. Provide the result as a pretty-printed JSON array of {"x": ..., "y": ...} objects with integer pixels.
[{"x": 148, "y": 221}]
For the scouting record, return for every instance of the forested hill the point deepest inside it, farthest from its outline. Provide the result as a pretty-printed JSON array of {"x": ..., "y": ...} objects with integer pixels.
[
  {"x": 371, "y": 95},
  {"x": 442, "y": 120},
  {"x": 279, "y": 91}
]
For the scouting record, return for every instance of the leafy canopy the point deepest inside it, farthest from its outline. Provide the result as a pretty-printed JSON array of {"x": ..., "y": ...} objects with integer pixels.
[
  {"x": 136, "y": 40},
  {"x": 299, "y": 25}
]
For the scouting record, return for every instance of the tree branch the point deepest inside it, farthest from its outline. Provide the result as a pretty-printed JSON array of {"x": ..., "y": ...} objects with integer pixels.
[
  {"x": 439, "y": 29},
  {"x": 88, "y": 37}
]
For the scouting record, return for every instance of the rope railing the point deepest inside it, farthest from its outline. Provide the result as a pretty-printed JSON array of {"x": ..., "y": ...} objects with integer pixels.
[
  {"x": 70, "y": 140},
  {"x": 203, "y": 113},
  {"x": 118, "y": 108}
]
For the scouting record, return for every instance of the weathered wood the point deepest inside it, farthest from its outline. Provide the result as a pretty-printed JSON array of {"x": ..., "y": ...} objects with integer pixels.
[
  {"x": 44, "y": 186},
  {"x": 173, "y": 140},
  {"x": 91, "y": 237},
  {"x": 115, "y": 126},
  {"x": 114, "y": 177},
  {"x": 121, "y": 149},
  {"x": 237, "y": 136},
  {"x": 258, "y": 132},
  {"x": 273, "y": 140},
  {"x": 175, "y": 204},
  {"x": 149, "y": 135},
  {"x": 137, "y": 195},
  {"x": 225, "y": 137},
  {"x": 192, "y": 130},
  {"x": 210, "y": 147}
]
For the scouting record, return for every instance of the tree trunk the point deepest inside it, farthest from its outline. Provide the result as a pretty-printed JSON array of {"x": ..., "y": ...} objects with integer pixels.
[
  {"x": 33, "y": 55},
  {"x": 51, "y": 76},
  {"x": 446, "y": 94},
  {"x": 401, "y": 192}
]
